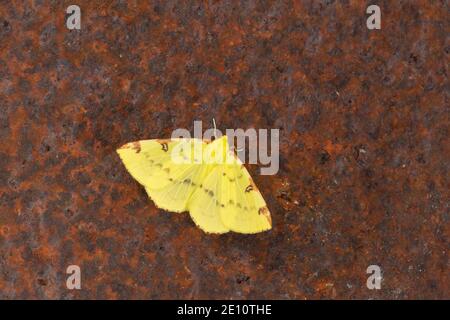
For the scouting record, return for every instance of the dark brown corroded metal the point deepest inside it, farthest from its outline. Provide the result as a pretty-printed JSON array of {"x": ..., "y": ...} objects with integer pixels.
[{"x": 363, "y": 119}]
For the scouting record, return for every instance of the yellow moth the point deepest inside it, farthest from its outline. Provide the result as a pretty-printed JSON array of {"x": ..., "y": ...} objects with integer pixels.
[{"x": 202, "y": 177}]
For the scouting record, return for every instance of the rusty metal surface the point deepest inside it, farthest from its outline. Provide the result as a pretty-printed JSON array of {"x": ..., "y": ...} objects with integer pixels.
[{"x": 364, "y": 147}]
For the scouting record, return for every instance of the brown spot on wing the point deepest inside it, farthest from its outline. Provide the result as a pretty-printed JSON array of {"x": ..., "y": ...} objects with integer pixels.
[
  {"x": 165, "y": 146},
  {"x": 161, "y": 141},
  {"x": 252, "y": 184},
  {"x": 265, "y": 211},
  {"x": 125, "y": 146},
  {"x": 137, "y": 146},
  {"x": 164, "y": 143},
  {"x": 132, "y": 145}
]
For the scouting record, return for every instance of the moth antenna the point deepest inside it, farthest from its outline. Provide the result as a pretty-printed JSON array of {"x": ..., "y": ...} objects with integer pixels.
[
  {"x": 238, "y": 150},
  {"x": 215, "y": 128}
]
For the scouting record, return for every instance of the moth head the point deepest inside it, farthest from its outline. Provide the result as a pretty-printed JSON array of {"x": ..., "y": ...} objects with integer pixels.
[{"x": 219, "y": 151}]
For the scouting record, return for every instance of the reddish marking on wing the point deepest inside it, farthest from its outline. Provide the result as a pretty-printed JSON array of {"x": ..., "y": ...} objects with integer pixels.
[
  {"x": 132, "y": 145},
  {"x": 265, "y": 211},
  {"x": 161, "y": 141},
  {"x": 253, "y": 185},
  {"x": 136, "y": 146}
]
